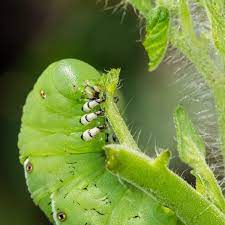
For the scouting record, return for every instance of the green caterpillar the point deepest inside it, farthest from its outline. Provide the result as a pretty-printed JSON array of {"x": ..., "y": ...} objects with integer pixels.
[{"x": 61, "y": 148}]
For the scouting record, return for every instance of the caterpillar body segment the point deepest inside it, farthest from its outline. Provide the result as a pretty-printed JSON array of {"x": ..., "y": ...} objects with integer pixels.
[
  {"x": 52, "y": 172},
  {"x": 103, "y": 200},
  {"x": 61, "y": 149},
  {"x": 57, "y": 144}
]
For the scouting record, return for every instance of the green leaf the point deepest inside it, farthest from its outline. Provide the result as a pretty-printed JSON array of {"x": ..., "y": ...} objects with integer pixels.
[
  {"x": 163, "y": 159},
  {"x": 191, "y": 150},
  {"x": 156, "y": 38},
  {"x": 215, "y": 9},
  {"x": 187, "y": 133}
]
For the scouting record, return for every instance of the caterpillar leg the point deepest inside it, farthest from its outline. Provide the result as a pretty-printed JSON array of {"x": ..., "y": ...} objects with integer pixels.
[
  {"x": 87, "y": 118},
  {"x": 91, "y": 133},
  {"x": 92, "y": 92},
  {"x": 111, "y": 138},
  {"x": 88, "y": 106},
  {"x": 116, "y": 99}
]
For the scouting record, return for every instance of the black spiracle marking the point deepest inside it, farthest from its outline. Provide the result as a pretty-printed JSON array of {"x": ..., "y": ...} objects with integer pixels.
[
  {"x": 85, "y": 188},
  {"x": 135, "y": 217}
]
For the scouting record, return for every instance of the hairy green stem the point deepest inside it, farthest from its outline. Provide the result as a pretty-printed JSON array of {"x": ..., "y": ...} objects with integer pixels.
[
  {"x": 112, "y": 113},
  {"x": 153, "y": 177},
  {"x": 215, "y": 189},
  {"x": 143, "y": 6},
  {"x": 118, "y": 124}
]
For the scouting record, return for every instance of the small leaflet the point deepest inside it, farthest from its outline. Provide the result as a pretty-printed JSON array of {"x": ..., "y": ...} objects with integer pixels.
[{"x": 156, "y": 39}]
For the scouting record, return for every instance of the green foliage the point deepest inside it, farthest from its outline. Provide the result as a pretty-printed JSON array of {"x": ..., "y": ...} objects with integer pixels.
[
  {"x": 50, "y": 136},
  {"x": 156, "y": 38},
  {"x": 195, "y": 45},
  {"x": 155, "y": 178},
  {"x": 187, "y": 136},
  {"x": 192, "y": 151}
]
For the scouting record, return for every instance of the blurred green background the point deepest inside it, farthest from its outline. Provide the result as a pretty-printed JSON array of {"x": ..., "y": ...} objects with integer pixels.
[{"x": 35, "y": 34}]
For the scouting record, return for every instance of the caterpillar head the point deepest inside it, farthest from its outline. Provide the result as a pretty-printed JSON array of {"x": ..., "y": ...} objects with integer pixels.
[
  {"x": 67, "y": 102},
  {"x": 75, "y": 79}
]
